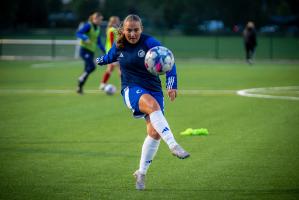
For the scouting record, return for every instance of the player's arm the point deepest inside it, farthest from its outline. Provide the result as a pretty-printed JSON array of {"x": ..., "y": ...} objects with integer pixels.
[
  {"x": 81, "y": 32},
  {"x": 108, "y": 58},
  {"x": 171, "y": 83},
  {"x": 100, "y": 45}
]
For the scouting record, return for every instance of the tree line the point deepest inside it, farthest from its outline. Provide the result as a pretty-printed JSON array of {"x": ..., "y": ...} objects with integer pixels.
[{"x": 169, "y": 14}]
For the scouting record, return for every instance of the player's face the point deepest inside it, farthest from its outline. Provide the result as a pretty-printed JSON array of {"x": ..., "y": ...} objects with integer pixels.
[
  {"x": 97, "y": 20},
  {"x": 132, "y": 31},
  {"x": 115, "y": 22}
]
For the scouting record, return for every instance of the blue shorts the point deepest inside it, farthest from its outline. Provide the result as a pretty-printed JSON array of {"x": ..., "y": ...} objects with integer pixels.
[{"x": 131, "y": 96}]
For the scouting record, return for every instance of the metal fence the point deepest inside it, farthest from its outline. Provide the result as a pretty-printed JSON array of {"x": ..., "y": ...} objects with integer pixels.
[{"x": 213, "y": 47}]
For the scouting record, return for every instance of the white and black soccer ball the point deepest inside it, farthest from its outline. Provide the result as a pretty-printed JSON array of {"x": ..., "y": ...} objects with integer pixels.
[
  {"x": 110, "y": 89},
  {"x": 159, "y": 60}
]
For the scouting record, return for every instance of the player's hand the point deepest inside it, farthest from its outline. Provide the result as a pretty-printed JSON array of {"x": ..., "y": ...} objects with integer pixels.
[
  {"x": 172, "y": 94},
  {"x": 100, "y": 60}
]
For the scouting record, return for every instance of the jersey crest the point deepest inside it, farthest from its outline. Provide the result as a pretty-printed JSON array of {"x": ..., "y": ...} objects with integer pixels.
[{"x": 141, "y": 53}]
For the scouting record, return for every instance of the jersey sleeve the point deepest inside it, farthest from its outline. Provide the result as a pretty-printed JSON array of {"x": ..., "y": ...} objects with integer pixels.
[
  {"x": 81, "y": 32},
  {"x": 108, "y": 58},
  {"x": 171, "y": 79},
  {"x": 171, "y": 76},
  {"x": 152, "y": 42}
]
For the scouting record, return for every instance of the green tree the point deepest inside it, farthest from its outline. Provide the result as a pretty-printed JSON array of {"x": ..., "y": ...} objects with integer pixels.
[{"x": 84, "y": 8}]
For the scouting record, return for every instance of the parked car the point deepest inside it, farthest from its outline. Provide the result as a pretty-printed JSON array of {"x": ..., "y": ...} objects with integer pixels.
[
  {"x": 269, "y": 29},
  {"x": 211, "y": 26}
]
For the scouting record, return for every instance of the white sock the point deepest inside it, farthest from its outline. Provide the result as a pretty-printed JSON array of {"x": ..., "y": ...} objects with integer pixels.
[
  {"x": 82, "y": 77},
  {"x": 149, "y": 150},
  {"x": 161, "y": 126}
]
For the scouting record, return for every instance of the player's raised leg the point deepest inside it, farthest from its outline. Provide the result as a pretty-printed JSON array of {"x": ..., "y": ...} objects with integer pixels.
[{"x": 148, "y": 105}]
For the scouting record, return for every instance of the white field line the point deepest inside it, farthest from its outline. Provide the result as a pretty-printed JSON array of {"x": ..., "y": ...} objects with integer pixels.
[
  {"x": 44, "y": 91},
  {"x": 55, "y": 64},
  {"x": 262, "y": 92},
  {"x": 207, "y": 92},
  {"x": 68, "y": 91},
  {"x": 253, "y": 92}
]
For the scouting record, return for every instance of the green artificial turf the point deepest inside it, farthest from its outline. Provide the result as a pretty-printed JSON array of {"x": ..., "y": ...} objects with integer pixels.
[{"x": 65, "y": 146}]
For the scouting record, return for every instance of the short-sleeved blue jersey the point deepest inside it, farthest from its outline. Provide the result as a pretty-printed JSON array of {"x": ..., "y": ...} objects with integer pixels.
[{"x": 133, "y": 70}]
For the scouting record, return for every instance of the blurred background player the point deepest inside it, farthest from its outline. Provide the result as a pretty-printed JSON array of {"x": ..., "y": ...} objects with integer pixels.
[
  {"x": 111, "y": 37},
  {"x": 250, "y": 43},
  {"x": 142, "y": 91},
  {"x": 89, "y": 36}
]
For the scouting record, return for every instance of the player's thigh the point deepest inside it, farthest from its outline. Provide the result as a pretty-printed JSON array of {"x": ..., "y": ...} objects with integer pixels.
[
  {"x": 88, "y": 59},
  {"x": 148, "y": 104},
  {"x": 140, "y": 101}
]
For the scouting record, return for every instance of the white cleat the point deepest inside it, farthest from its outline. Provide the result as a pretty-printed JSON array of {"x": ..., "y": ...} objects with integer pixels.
[
  {"x": 179, "y": 152},
  {"x": 140, "y": 179},
  {"x": 102, "y": 86}
]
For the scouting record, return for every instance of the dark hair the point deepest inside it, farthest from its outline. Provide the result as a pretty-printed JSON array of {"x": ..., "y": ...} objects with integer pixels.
[
  {"x": 93, "y": 15},
  {"x": 121, "y": 36}
]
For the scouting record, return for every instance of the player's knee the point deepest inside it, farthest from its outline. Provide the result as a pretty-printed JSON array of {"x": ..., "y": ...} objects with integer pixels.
[
  {"x": 154, "y": 134},
  {"x": 90, "y": 69},
  {"x": 153, "y": 105},
  {"x": 111, "y": 68},
  {"x": 108, "y": 71}
]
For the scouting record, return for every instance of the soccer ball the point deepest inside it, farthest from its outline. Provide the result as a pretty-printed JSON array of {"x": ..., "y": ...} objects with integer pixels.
[
  {"x": 159, "y": 60},
  {"x": 110, "y": 89}
]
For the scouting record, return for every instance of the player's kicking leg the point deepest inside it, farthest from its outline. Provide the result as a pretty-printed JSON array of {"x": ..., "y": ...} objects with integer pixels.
[
  {"x": 148, "y": 104},
  {"x": 161, "y": 126}
]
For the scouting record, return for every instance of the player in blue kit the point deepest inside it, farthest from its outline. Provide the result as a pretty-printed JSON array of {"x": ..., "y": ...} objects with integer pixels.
[
  {"x": 142, "y": 91},
  {"x": 89, "y": 36}
]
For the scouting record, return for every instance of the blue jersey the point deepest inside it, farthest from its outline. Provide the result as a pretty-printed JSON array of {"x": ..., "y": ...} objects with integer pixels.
[{"x": 133, "y": 70}]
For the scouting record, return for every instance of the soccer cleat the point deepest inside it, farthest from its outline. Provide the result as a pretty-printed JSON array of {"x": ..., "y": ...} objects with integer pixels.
[
  {"x": 249, "y": 61},
  {"x": 140, "y": 179},
  {"x": 80, "y": 90},
  {"x": 102, "y": 86},
  {"x": 179, "y": 152}
]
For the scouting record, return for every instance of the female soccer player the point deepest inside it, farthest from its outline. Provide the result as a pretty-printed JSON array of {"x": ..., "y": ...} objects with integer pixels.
[
  {"x": 89, "y": 36},
  {"x": 142, "y": 91},
  {"x": 111, "y": 37}
]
